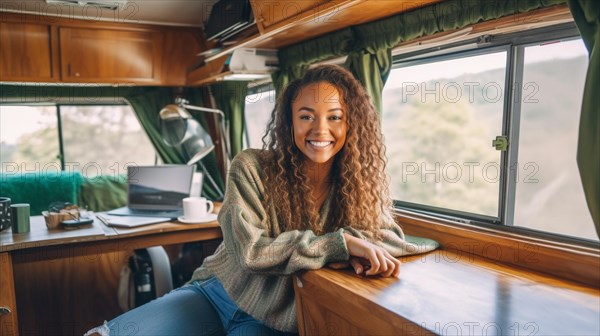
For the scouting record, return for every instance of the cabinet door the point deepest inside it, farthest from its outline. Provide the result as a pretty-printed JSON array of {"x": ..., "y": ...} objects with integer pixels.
[
  {"x": 8, "y": 304},
  {"x": 110, "y": 56},
  {"x": 25, "y": 52}
]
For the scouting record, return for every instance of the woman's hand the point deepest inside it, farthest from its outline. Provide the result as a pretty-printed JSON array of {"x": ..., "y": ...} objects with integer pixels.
[{"x": 372, "y": 258}]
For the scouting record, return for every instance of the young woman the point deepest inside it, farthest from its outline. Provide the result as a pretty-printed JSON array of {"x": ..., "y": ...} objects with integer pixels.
[{"x": 316, "y": 195}]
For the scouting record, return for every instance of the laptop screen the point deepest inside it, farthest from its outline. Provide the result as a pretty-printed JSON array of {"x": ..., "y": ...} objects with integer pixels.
[{"x": 158, "y": 187}]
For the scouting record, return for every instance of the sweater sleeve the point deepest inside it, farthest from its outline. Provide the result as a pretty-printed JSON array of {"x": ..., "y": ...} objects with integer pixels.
[
  {"x": 395, "y": 241},
  {"x": 244, "y": 222}
]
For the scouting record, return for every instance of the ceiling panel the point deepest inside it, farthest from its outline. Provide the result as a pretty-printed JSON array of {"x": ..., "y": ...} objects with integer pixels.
[{"x": 188, "y": 13}]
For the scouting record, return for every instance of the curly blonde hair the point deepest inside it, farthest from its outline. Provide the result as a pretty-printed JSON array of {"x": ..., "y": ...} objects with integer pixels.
[{"x": 361, "y": 194}]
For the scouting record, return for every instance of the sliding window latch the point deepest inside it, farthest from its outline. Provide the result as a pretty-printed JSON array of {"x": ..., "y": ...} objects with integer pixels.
[{"x": 500, "y": 143}]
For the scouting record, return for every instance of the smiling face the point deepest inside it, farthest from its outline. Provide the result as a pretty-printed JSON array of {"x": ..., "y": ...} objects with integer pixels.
[{"x": 319, "y": 121}]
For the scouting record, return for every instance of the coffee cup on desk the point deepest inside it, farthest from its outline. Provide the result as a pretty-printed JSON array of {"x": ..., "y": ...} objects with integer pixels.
[{"x": 196, "y": 208}]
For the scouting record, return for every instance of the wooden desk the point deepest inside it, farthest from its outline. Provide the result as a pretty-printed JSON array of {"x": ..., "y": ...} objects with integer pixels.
[
  {"x": 445, "y": 293},
  {"x": 59, "y": 278}
]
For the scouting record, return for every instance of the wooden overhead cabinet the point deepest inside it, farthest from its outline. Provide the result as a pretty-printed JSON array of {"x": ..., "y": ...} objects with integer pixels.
[
  {"x": 276, "y": 14},
  {"x": 94, "y": 55},
  {"x": 25, "y": 52}
]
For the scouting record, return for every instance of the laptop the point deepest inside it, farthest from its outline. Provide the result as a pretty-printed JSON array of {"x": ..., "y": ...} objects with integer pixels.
[{"x": 156, "y": 191}]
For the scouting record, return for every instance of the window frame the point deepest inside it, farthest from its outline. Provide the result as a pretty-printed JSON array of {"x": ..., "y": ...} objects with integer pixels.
[{"x": 514, "y": 44}]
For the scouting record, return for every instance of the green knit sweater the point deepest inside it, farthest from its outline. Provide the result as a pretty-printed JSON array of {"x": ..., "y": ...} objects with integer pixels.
[{"x": 256, "y": 265}]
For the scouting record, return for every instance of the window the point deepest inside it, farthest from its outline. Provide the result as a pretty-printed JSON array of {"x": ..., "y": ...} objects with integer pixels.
[
  {"x": 92, "y": 139},
  {"x": 549, "y": 195},
  {"x": 441, "y": 114},
  {"x": 259, "y": 105},
  {"x": 28, "y": 138},
  {"x": 439, "y": 119}
]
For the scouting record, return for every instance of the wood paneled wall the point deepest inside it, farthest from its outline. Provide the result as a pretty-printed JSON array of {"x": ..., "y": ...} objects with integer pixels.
[{"x": 37, "y": 48}]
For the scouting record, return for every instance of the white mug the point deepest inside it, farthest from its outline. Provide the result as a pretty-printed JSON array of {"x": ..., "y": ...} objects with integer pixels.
[{"x": 196, "y": 208}]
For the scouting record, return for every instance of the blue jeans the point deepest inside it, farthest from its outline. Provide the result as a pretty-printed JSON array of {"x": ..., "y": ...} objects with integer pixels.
[{"x": 199, "y": 308}]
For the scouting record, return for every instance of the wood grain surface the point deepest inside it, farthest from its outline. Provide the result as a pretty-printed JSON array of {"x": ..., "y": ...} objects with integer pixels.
[{"x": 447, "y": 293}]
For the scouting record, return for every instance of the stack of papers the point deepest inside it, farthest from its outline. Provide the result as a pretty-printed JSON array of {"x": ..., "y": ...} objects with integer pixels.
[{"x": 130, "y": 221}]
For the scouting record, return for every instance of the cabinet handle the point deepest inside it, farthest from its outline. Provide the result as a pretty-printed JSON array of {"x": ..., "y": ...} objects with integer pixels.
[
  {"x": 5, "y": 311},
  {"x": 70, "y": 73}
]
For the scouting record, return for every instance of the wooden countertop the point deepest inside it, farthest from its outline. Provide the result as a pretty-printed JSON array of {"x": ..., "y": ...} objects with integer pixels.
[
  {"x": 446, "y": 293},
  {"x": 41, "y": 236}
]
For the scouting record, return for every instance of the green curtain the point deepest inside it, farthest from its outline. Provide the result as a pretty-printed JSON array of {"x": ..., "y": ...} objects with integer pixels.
[
  {"x": 439, "y": 17},
  {"x": 587, "y": 17},
  {"x": 372, "y": 70},
  {"x": 230, "y": 97},
  {"x": 147, "y": 104},
  {"x": 195, "y": 97},
  {"x": 295, "y": 59},
  {"x": 283, "y": 77},
  {"x": 371, "y": 61}
]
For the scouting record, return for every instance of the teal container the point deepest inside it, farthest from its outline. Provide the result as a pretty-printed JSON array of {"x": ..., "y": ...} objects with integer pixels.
[{"x": 20, "y": 217}]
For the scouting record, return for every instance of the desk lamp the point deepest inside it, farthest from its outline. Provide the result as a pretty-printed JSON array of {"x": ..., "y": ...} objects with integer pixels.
[{"x": 178, "y": 128}]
